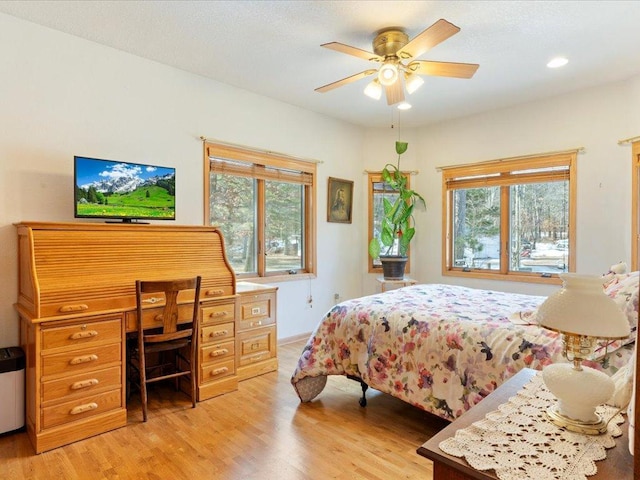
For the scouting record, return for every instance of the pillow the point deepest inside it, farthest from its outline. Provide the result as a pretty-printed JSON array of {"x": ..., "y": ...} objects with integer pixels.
[
  {"x": 616, "y": 273},
  {"x": 623, "y": 381},
  {"x": 624, "y": 292}
]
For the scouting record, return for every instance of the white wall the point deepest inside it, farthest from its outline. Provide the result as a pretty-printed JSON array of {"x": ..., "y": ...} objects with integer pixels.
[
  {"x": 594, "y": 119},
  {"x": 63, "y": 96}
]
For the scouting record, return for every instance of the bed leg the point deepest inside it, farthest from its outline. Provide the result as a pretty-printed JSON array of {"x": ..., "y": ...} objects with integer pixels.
[{"x": 364, "y": 386}]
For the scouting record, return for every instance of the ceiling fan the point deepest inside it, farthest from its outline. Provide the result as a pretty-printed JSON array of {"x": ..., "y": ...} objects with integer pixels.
[{"x": 397, "y": 55}]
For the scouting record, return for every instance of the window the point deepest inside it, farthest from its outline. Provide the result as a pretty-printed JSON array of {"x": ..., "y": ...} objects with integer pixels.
[
  {"x": 264, "y": 205},
  {"x": 378, "y": 190},
  {"x": 510, "y": 219}
]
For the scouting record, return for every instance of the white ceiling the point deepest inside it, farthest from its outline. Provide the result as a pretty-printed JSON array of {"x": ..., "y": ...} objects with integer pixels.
[{"x": 273, "y": 48}]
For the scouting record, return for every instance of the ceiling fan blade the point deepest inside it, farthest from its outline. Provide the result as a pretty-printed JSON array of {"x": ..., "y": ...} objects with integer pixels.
[
  {"x": 349, "y": 50},
  {"x": 394, "y": 92},
  {"x": 432, "y": 36},
  {"x": 344, "y": 81},
  {"x": 443, "y": 69}
]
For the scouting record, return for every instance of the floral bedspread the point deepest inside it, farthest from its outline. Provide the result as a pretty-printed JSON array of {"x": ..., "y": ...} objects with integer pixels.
[{"x": 442, "y": 348}]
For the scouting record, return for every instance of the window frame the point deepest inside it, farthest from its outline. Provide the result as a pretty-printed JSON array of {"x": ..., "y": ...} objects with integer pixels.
[
  {"x": 262, "y": 166},
  {"x": 477, "y": 175},
  {"x": 373, "y": 178},
  {"x": 635, "y": 208}
]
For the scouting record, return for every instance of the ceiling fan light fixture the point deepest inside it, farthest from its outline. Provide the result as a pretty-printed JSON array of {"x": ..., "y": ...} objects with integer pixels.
[
  {"x": 373, "y": 89},
  {"x": 404, "y": 106},
  {"x": 412, "y": 82},
  {"x": 388, "y": 73}
]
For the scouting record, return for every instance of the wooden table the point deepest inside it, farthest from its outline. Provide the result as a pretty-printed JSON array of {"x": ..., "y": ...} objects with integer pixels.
[
  {"x": 384, "y": 283},
  {"x": 618, "y": 465}
]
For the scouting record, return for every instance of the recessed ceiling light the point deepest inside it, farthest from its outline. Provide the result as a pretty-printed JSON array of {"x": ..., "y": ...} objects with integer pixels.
[
  {"x": 557, "y": 62},
  {"x": 404, "y": 106}
]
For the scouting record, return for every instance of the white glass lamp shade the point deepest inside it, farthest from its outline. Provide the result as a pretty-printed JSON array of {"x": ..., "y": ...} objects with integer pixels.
[
  {"x": 413, "y": 82},
  {"x": 582, "y": 308},
  {"x": 373, "y": 90},
  {"x": 388, "y": 74}
]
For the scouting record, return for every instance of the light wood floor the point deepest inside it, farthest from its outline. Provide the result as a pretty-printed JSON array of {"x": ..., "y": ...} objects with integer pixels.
[{"x": 262, "y": 431}]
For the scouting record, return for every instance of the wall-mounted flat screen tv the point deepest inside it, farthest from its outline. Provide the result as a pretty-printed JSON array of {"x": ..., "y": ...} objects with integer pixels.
[{"x": 126, "y": 191}]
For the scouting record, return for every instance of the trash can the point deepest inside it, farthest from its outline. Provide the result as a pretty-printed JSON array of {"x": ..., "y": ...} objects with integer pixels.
[{"x": 12, "y": 364}]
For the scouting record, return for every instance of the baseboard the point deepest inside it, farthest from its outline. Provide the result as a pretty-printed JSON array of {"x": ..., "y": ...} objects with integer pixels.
[{"x": 295, "y": 338}]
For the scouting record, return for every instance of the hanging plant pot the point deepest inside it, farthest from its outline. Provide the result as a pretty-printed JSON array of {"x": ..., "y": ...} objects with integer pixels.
[{"x": 393, "y": 266}]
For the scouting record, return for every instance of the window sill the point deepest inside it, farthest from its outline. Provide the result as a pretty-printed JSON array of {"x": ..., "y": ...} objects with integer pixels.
[
  {"x": 511, "y": 277},
  {"x": 277, "y": 278}
]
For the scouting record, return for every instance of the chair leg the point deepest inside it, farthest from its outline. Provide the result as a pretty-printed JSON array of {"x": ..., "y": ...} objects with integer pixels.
[
  {"x": 193, "y": 388},
  {"x": 143, "y": 399},
  {"x": 192, "y": 367},
  {"x": 143, "y": 381},
  {"x": 176, "y": 383}
]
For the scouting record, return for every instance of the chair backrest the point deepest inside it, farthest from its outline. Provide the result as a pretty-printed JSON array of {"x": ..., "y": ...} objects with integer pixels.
[{"x": 170, "y": 318}]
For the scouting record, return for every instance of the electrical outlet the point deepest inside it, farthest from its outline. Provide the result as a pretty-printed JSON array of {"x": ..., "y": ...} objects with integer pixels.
[{"x": 336, "y": 297}]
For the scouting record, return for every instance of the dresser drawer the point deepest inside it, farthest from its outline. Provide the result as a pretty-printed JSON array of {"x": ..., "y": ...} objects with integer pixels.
[
  {"x": 82, "y": 384},
  {"x": 86, "y": 359},
  {"x": 207, "y": 293},
  {"x": 152, "y": 317},
  {"x": 80, "y": 408},
  {"x": 217, "y": 351},
  {"x": 219, "y": 313},
  {"x": 217, "y": 333},
  {"x": 81, "y": 334},
  {"x": 216, "y": 370},
  {"x": 256, "y": 345},
  {"x": 257, "y": 311}
]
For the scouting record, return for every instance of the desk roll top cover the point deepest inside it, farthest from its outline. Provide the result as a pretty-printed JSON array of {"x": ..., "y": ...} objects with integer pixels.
[
  {"x": 76, "y": 301},
  {"x": 92, "y": 268}
]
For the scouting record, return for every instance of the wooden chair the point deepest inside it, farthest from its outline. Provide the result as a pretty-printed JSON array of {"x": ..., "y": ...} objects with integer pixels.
[{"x": 173, "y": 343}]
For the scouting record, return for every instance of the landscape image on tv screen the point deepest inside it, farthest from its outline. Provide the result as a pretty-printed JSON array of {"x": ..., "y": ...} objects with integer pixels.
[{"x": 123, "y": 190}]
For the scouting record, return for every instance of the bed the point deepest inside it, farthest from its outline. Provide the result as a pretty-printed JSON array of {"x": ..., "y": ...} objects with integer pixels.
[{"x": 442, "y": 348}]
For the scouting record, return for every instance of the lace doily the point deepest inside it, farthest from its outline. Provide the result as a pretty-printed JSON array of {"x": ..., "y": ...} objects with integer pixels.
[{"x": 518, "y": 441}]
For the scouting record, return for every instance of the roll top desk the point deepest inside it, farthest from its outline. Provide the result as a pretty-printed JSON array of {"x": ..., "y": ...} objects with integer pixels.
[{"x": 77, "y": 302}]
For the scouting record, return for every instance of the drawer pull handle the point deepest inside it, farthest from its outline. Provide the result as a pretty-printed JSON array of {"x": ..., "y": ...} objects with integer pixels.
[
  {"x": 84, "y": 384},
  {"x": 255, "y": 311},
  {"x": 217, "y": 353},
  {"x": 219, "y": 333},
  {"x": 73, "y": 308},
  {"x": 213, "y": 293},
  {"x": 83, "y": 408},
  {"x": 87, "y": 334},
  {"x": 85, "y": 359},
  {"x": 255, "y": 346},
  {"x": 256, "y": 324},
  {"x": 218, "y": 314},
  {"x": 219, "y": 371},
  {"x": 257, "y": 358},
  {"x": 153, "y": 300}
]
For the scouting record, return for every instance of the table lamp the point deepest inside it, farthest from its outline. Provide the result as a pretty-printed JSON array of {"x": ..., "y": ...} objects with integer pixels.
[{"x": 583, "y": 314}]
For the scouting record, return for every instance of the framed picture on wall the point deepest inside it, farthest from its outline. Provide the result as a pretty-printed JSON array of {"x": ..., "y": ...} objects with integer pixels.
[{"x": 339, "y": 200}]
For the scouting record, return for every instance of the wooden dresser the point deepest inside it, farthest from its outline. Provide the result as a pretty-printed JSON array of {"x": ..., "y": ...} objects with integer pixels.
[
  {"x": 256, "y": 338},
  {"x": 76, "y": 302}
]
